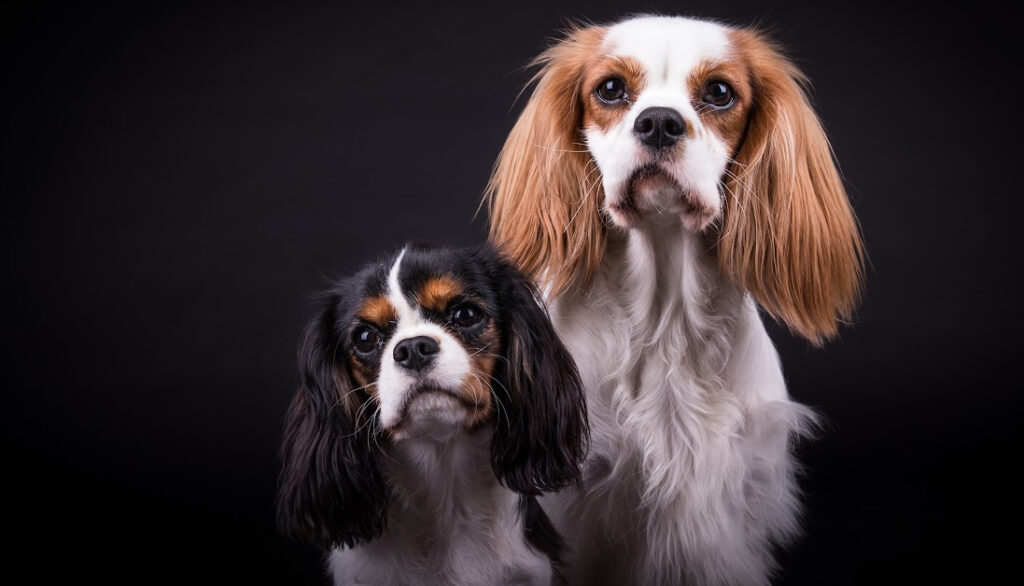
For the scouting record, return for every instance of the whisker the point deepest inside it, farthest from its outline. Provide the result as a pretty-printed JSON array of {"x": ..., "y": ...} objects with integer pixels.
[
  {"x": 558, "y": 150},
  {"x": 345, "y": 396},
  {"x": 500, "y": 357},
  {"x": 497, "y": 399}
]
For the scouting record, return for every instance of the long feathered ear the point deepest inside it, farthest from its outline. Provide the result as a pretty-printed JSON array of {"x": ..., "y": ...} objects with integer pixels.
[
  {"x": 789, "y": 236},
  {"x": 544, "y": 195},
  {"x": 331, "y": 491},
  {"x": 541, "y": 432}
]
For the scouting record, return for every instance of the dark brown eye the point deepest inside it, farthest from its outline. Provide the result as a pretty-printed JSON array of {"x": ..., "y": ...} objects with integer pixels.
[
  {"x": 611, "y": 90},
  {"x": 718, "y": 95},
  {"x": 366, "y": 340},
  {"x": 467, "y": 315}
]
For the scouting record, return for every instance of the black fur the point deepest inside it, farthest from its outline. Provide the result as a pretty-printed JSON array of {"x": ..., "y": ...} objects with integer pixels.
[
  {"x": 539, "y": 532},
  {"x": 541, "y": 439},
  {"x": 332, "y": 492}
]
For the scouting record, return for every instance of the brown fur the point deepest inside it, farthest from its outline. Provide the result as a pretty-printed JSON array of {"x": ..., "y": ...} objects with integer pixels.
[
  {"x": 362, "y": 375},
  {"x": 789, "y": 236},
  {"x": 477, "y": 388},
  {"x": 437, "y": 292},
  {"x": 378, "y": 311},
  {"x": 729, "y": 123},
  {"x": 544, "y": 207},
  {"x": 601, "y": 114}
]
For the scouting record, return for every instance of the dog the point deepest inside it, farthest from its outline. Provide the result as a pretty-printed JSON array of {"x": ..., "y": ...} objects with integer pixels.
[
  {"x": 436, "y": 403},
  {"x": 668, "y": 177}
]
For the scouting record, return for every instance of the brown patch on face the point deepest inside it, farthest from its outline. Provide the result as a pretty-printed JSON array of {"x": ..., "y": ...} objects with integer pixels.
[
  {"x": 362, "y": 375},
  {"x": 477, "y": 388},
  {"x": 378, "y": 311},
  {"x": 437, "y": 292},
  {"x": 728, "y": 123},
  {"x": 601, "y": 114}
]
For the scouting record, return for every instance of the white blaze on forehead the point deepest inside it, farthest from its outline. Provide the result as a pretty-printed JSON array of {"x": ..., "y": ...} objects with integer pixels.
[
  {"x": 669, "y": 47},
  {"x": 404, "y": 311},
  {"x": 451, "y": 365}
]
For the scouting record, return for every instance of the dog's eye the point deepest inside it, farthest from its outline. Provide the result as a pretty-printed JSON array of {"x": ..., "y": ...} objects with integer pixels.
[
  {"x": 611, "y": 90},
  {"x": 718, "y": 95},
  {"x": 365, "y": 339},
  {"x": 467, "y": 315}
]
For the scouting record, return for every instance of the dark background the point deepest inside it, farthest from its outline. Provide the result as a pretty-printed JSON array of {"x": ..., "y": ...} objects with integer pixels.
[{"x": 177, "y": 180}]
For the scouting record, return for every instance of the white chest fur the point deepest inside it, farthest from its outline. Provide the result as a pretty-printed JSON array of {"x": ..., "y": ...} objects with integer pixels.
[
  {"x": 690, "y": 478},
  {"x": 449, "y": 522}
]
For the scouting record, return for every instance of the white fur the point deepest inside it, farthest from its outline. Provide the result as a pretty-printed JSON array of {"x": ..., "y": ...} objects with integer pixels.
[
  {"x": 449, "y": 521},
  {"x": 690, "y": 479},
  {"x": 450, "y": 367},
  {"x": 669, "y": 49}
]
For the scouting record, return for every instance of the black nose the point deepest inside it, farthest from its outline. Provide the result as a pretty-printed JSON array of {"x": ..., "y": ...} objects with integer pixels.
[
  {"x": 659, "y": 127},
  {"x": 416, "y": 353}
]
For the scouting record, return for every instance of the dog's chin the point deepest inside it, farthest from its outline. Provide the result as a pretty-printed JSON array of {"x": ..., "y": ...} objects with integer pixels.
[
  {"x": 431, "y": 413},
  {"x": 651, "y": 195}
]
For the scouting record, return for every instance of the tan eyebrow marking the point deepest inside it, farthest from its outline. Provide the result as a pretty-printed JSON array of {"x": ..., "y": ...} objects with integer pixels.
[
  {"x": 378, "y": 311},
  {"x": 437, "y": 292}
]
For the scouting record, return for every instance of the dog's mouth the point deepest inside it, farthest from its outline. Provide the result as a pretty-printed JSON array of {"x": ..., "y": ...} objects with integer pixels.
[
  {"x": 431, "y": 410},
  {"x": 650, "y": 191}
]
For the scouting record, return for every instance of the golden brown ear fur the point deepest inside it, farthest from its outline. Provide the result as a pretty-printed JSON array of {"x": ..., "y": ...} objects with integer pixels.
[
  {"x": 544, "y": 195},
  {"x": 789, "y": 236}
]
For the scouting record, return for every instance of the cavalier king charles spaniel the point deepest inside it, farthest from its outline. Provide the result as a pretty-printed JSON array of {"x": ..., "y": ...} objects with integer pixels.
[
  {"x": 666, "y": 179},
  {"x": 436, "y": 403}
]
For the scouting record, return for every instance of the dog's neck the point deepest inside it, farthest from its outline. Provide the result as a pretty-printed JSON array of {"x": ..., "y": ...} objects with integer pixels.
[
  {"x": 667, "y": 281},
  {"x": 449, "y": 520},
  {"x": 443, "y": 488}
]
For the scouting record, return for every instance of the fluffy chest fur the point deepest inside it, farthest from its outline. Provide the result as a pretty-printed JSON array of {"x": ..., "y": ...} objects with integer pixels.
[
  {"x": 691, "y": 422},
  {"x": 666, "y": 174},
  {"x": 450, "y": 522}
]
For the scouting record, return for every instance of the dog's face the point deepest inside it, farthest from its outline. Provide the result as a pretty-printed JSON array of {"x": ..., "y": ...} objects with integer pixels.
[
  {"x": 669, "y": 123},
  {"x": 665, "y": 104},
  {"x": 422, "y": 342},
  {"x": 423, "y": 345}
]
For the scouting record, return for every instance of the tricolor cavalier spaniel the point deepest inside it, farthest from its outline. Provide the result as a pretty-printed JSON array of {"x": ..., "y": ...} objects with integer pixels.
[
  {"x": 667, "y": 177},
  {"x": 436, "y": 403}
]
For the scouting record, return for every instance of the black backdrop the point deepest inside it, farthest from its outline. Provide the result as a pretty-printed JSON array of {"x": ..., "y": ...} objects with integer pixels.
[{"x": 177, "y": 179}]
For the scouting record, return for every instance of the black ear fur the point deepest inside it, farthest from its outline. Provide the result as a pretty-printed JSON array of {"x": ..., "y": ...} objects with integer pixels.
[
  {"x": 541, "y": 431},
  {"x": 331, "y": 492}
]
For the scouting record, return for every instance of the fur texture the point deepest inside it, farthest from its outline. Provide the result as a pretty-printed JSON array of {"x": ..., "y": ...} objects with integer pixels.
[
  {"x": 436, "y": 403},
  {"x": 655, "y": 254}
]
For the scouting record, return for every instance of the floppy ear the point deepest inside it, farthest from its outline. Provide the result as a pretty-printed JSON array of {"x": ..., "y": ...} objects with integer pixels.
[
  {"x": 331, "y": 491},
  {"x": 789, "y": 236},
  {"x": 541, "y": 430},
  {"x": 544, "y": 195}
]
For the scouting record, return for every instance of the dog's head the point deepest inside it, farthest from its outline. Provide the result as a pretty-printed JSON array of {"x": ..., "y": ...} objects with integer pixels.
[
  {"x": 667, "y": 119},
  {"x": 426, "y": 343}
]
